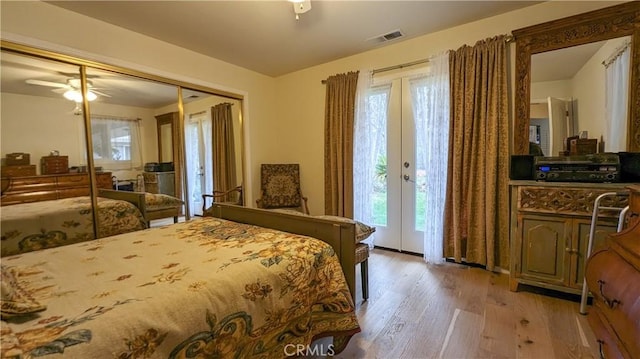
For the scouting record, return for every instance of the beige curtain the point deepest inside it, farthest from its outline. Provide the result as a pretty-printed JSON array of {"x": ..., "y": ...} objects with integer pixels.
[
  {"x": 224, "y": 157},
  {"x": 338, "y": 144},
  {"x": 477, "y": 205}
]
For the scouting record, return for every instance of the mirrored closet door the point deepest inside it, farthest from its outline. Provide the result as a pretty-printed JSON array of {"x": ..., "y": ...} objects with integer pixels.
[{"x": 125, "y": 134}]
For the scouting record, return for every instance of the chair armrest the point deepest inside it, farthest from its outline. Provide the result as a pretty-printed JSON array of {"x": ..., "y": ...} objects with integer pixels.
[{"x": 220, "y": 194}]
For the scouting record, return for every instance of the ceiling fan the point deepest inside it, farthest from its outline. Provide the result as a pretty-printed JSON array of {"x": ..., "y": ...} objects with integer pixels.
[{"x": 71, "y": 89}]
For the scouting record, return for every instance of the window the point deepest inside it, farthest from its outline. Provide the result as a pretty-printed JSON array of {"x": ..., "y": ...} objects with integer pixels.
[{"x": 116, "y": 143}]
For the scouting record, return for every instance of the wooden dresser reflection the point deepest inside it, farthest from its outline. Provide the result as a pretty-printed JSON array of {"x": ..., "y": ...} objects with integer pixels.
[{"x": 49, "y": 187}]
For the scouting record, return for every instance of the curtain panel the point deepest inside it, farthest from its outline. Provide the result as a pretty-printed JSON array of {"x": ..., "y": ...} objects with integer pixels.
[
  {"x": 476, "y": 209},
  {"x": 616, "y": 100},
  {"x": 224, "y": 158},
  {"x": 338, "y": 144}
]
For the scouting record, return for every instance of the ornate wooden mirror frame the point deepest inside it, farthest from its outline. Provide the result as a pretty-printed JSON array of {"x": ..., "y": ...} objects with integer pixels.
[{"x": 604, "y": 24}]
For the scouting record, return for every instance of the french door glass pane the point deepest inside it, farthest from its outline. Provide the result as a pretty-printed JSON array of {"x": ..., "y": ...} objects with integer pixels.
[{"x": 377, "y": 103}]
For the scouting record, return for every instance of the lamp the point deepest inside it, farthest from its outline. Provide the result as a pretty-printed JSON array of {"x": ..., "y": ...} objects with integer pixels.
[
  {"x": 300, "y": 7},
  {"x": 75, "y": 95}
]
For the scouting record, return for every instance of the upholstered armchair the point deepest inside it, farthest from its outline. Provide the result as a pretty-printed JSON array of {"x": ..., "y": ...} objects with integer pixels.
[{"x": 280, "y": 188}]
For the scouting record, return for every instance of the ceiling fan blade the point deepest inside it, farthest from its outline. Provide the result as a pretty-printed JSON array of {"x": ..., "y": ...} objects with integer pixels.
[
  {"x": 99, "y": 93},
  {"x": 45, "y": 83}
]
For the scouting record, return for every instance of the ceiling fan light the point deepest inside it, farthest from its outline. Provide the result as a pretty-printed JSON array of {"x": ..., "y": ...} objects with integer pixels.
[
  {"x": 91, "y": 96},
  {"x": 74, "y": 95}
]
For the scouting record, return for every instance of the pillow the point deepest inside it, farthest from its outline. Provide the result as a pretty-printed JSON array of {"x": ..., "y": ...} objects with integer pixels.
[
  {"x": 363, "y": 231},
  {"x": 16, "y": 300},
  {"x": 161, "y": 201}
]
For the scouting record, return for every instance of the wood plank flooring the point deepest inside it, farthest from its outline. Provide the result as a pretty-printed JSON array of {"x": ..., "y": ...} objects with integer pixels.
[{"x": 418, "y": 310}]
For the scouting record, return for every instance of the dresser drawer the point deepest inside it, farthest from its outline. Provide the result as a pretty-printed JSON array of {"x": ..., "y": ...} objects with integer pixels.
[
  {"x": 607, "y": 346},
  {"x": 104, "y": 180},
  {"x": 73, "y": 192},
  {"x": 79, "y": 180},
  {"x": 15, "y": 198},
  {"x": 17, "y": 171},
  {"x": 31, "y": 184},
  {"x": 615, "y": 285},
  {"x": 54, "y": 164}
]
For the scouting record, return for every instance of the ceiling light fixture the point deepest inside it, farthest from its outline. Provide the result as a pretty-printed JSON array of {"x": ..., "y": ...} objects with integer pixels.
[
  {"x": 300, "y": 7},
  {"x": 75, "y": 95}
]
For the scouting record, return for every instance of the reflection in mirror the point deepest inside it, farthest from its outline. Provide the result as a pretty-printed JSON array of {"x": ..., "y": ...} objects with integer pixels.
[
  {"x": 213, "y": 136},
  {"x": 124, "y": 132},
  {"x": 570, "y": 97},
  {"x": 37, "y": 116},
  {"x": 609, "y": 23},
  {"x": 165, "y": 142},
  {"x": 42, "y": 149}
]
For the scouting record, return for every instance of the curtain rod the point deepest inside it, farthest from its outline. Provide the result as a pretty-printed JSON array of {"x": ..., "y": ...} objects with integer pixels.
[
  {"x": 507, "y": 39},
  {"x": 110, "y": 117},
  {"x": 197, "y": 113},
  {"x": 617, "y": 53}
]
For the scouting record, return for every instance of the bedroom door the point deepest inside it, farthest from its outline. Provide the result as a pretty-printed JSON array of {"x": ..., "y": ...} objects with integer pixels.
[{"x": 399, "y": 213}]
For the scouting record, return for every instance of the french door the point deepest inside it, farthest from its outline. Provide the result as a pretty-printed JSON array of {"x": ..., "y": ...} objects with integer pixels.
[
  {"x": 199, "y": 162},
  {"x": 400, "y": 188}
]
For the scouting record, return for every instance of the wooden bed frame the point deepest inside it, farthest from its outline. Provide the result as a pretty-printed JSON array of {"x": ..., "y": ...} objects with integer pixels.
[
  {"x": 340, "y": 235},
  {"x": 137, "y": 198}
]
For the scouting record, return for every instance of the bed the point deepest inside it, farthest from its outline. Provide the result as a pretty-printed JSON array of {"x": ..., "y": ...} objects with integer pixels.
[
  {"x": 206, "y": 288},
  {"x": 31, "y": 226},
  {"x": 48, "y": 211}
]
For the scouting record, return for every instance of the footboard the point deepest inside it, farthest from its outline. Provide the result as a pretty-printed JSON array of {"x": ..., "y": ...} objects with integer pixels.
[
  {"x": 340, "y": 235},
  {"x": 136, "y": 198}
]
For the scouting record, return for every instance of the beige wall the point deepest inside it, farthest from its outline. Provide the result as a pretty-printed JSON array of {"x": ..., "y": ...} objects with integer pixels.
[
  {"x": 38, "y": 125},
  {"x": 283, "y": 116},
  {"x": 300, "y": 110}
]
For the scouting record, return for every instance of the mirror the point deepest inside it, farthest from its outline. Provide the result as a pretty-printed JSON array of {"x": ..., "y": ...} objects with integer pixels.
[
  {"x": 213, "y": 151},
  {"x": 595, "y": 32},
  {"x": 165, "y": 141},
  {"x": 124, "y": 125},
  {"x": 44, "y": 118}
]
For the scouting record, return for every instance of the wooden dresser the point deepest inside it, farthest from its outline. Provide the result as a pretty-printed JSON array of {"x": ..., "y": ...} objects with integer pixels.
[
  {"x": 613, "y": 277},
  {"x": 48, "y": 187},
  {"x": 550, "y": 223}
]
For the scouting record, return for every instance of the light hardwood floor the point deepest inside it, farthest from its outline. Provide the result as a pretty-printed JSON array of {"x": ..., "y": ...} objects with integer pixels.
[{"x": 418, "y": 310}]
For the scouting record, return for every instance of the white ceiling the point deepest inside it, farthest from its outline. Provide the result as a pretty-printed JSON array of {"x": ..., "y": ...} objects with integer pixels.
[{"x": 264, "y": 36}]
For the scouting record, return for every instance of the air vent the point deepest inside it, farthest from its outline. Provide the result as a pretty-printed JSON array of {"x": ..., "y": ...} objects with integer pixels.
[
  {"x": 395, "y": 34},
  {"x": 392, "y": 35}
]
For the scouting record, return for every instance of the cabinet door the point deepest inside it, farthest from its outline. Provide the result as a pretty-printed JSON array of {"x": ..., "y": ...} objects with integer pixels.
[
  {"x": 544, "y": 240},
  {"x": 581, "y": 229}
]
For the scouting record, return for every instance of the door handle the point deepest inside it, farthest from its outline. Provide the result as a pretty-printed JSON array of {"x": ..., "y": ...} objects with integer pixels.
[{"x": 406, "y": 178}]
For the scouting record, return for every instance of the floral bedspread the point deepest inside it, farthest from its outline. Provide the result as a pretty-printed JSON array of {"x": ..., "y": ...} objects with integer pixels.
[
  {"x": 161, "y": 201},
  {"x": 27, "y": 227},
  {"x": 206, "y": 288}
]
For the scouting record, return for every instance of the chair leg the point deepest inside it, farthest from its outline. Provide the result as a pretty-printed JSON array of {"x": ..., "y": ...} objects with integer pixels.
[
  {"x": 175, "y": 219},
  {"x": 365, "y": 279}
]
